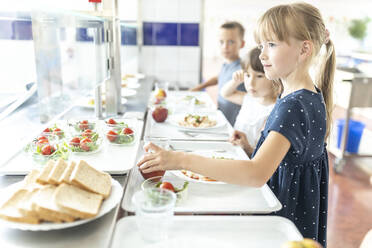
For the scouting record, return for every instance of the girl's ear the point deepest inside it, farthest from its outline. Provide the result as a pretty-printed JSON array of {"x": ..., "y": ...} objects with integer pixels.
[{"x": 306, "y": 49}]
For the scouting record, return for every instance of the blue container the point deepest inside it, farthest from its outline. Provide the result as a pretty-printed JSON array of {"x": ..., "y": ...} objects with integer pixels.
[{"x": 354, "y": 136}]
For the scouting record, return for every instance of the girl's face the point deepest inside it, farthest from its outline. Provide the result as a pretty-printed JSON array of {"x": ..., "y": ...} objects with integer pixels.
[
  {"x": 257, "y": 84},
  {"x": 279, "y": 59}
]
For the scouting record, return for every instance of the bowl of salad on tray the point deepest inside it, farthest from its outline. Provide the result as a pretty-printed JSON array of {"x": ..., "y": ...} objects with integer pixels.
[
  {"x": 178, "y": 187},
  {"x": 86, "y": 142},
  {"x": 79, "y": 126},
  {"x": 54, "y": 130},
  {"x": 119, "y": 134},
  {"x": 46, "y": 147}
]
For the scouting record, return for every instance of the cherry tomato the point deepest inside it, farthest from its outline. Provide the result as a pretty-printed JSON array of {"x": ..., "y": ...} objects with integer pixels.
[
  {"x": 42, "y": 138},
  {"x": 167, "y": 185},
  {"x": 111, "y": 121},
  {"x": 75, "y": 141},
  {"x": 87, "y": 133},
  {"x": 84, "y": 145},
  {"x": 47, "y": 150},
  {"x": 58, "y": 131},
  {"x": 42, "y": 142},
  {"x": 127, "y": 130},
  {"x": 111, "y": 135},
  {"x": 83, "y": 125},
  {"x": 46, "y": 130}
]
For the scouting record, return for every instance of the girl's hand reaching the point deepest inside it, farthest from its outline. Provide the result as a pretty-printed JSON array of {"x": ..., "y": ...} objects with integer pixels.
[
  {"x": 238, "y": 76},
  {"x": 240, "y": 139},
  {"x": 159, "y": 159}
]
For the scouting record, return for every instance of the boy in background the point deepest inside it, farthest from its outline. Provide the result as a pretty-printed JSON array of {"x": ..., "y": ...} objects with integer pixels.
[{"x": 231, "y": 41}]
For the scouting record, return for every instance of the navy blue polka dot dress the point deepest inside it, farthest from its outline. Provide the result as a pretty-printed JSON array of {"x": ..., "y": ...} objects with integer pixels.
[{"x": 301, "y": 180}]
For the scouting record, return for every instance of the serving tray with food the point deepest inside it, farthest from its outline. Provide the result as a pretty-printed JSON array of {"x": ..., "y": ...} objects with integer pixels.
[
  {"x": 85, "y": 139},
  {"x": 207, "y": 197},
  {"x": 61, "y": 195}
]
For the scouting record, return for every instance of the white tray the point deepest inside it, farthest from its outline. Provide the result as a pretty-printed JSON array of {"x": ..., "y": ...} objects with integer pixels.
[
  {"x": 211, "y": 198},
  {"x": 213, "y": 231},
  {"x": 167, "y": 129},
  {"x": 112, "y": 159}
]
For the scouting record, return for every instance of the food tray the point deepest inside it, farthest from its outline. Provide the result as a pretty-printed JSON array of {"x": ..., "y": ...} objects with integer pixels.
[
  {"x": 112, "y": 159},
  {"x": 213, "y": 231},
  {"x": 210, "y": 198},
  {"x": 171, "y": 131}
]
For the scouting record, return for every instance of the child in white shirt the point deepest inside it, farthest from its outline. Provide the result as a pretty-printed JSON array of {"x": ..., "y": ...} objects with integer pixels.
[{"x": 257, "y": 103}]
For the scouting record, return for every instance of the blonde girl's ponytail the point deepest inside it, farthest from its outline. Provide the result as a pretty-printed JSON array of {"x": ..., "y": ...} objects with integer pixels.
[{"x": 325, "y": 81}]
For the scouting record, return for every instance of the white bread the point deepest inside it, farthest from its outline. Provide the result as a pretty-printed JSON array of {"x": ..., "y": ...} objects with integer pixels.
[
  {"x": 77, "y": 202},
  {"x": 45, "y": 207},
  {"x": 25, "y": 207},
  {"x": 87, "y": 177},
  {"x": 10, "y": 211},
  {"x": 30, "y": 179},
  {"x": 44, "y": 174},
  {"x": 57, "y": 171},
  {"x": 65, "y": 177}
]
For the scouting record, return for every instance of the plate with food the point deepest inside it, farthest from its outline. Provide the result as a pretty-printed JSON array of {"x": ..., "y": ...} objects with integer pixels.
[
  {"x": 198, "y": 121},
  {"x": 135, "y": 75},
  {"x": 126, "y": 92},
  {"x": 59, "y": 203},
  {"x": 88, "y": 102},
  {"x": 189, "y": 99},
  {"x": 195, "y": 177}
]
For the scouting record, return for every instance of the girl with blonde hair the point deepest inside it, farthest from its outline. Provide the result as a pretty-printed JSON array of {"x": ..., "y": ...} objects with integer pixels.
[{"x": 291, "y": 155}]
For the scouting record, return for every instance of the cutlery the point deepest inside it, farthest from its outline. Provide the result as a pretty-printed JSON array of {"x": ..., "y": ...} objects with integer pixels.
[{"x": 194, "y": 133}]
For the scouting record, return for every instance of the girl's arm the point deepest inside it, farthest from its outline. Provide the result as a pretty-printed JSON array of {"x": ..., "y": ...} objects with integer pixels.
[
  {"x": 229, "y": 90},
  {"x": 255, "y": 172}
]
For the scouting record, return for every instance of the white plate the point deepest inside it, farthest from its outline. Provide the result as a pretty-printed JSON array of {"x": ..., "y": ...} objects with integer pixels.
[
  {"x": 107, "y": 205},
  {"x": 132, "y": 85},
  {"x": 179, "y": 174},
  {"x": 128, "y": 92},
  {"x": 86, "y": 102},
  {"x": 176, "y": 118},
  {"x": 136, "y": 75}
]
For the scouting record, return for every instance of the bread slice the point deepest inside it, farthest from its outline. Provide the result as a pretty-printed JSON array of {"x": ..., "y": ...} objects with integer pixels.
[
  {"x": 65, "y": 177},
  {"x": 57, "y": 171},
  {"x": 44, "y": 174},
  {"x": 77, "y": 202},
  {"x": 46, "y": 208},
  {"x": 30, "y": 179},
  {"x": 10, "y": 211},
  {"x": 25, "y": 207},
  {"x": 87, "y": 177}
]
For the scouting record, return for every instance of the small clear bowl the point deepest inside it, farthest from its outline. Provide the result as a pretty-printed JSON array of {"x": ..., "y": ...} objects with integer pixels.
[
  {"x": 115, "y": 137},
  {"x": 80, "y": 125},
  {"x": 60, "y": 151},
  {"x": 154, "y": 182},
  {"x": 82, "y": 147},
  {"x": 119, "y": 123}
]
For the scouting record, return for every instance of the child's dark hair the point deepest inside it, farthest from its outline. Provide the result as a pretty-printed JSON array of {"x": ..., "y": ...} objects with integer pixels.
[
  {"x": 254, "y": 62},
  {"x": 233, "y": 25}
]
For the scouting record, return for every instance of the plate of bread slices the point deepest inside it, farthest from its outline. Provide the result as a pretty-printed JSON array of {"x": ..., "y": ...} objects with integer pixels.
[{"x": 59, "y": 196}]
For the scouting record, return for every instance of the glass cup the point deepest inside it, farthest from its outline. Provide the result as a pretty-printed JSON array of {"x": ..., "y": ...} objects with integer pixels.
[
  {"x": 154, "y": 213},
  {"x": 162, "y": 142}
]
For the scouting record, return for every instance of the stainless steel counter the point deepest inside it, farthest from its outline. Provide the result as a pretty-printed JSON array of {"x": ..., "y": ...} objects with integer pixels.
[{"x": 93, "y": 234}]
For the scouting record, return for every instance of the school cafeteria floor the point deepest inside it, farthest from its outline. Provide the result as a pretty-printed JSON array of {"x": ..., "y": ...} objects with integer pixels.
[
  {"x": 349, "y": 206},
  {"x": 349, "y": 201}
]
